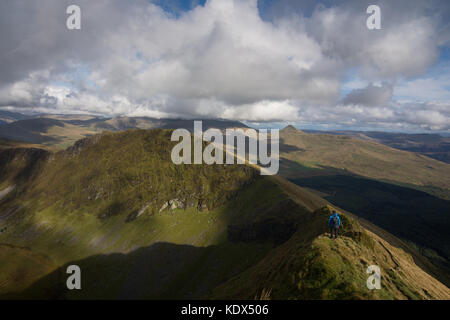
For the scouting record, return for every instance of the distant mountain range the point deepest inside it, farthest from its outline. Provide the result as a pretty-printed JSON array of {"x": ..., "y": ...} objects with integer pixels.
[
  {"x": 61, "y": 131},
  {"x": 8, "y": 116}
]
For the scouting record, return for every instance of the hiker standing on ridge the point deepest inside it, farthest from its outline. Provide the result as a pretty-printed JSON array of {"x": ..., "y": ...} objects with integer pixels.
[{"x": 334, "y": 222}]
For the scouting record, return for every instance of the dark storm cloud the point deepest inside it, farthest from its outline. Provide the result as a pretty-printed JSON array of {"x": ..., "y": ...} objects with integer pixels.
[{"x": 371, "y": 95}]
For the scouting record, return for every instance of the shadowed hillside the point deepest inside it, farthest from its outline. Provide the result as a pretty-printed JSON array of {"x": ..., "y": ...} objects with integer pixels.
[{"x": 312, "y": 266}]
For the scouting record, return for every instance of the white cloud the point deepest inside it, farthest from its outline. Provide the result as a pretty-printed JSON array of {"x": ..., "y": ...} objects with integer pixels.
[
  {"x": 404, "y": 116},
  {"x": 262, "y": 111},
  {"x": 221, "y": 60}
]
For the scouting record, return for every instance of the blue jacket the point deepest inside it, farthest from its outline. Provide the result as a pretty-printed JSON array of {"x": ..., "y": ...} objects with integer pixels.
[{"x": 330, "y": 220}]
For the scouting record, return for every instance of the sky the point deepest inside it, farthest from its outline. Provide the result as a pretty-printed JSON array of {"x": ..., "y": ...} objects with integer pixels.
[{"x": 313, "y": 64}]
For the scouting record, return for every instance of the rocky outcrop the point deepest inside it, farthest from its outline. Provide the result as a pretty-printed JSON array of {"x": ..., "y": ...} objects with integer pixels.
[
  {"x": 179, "y": 204},
  {"x": 81, "y": 144}
]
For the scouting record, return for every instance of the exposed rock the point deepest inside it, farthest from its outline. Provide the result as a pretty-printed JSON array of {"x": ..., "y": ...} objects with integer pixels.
[
  {"x": 143, "y": 209},
  {"x": 83, "y": 143},
  {"x": 165, "y": 205},
  {"x": 5, "y": 191},
  {"x": 173, "y": 204}
]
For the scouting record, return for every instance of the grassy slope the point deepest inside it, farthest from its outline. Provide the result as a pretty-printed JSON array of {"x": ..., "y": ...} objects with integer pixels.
[
  {"x": 83, "y": 205},
  {"x": 365, "y": 158},
  {"x": 312, "y": 266}
]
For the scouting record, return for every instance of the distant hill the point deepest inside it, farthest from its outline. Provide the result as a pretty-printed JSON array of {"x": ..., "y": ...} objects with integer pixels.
[
  {"x": 365, "y": 158},
  {"x": 29, "y": 130},
  {"x": 8, "y": 116},
  {"x": 436, "y": 146},
  {"x": 46, "y": 131},
  {"x": 141, "y": 227},
  {"x": 125, "y": 123},
  {"x": 61, "y": 131},
  {"x": 432, "y": 145},
  {"x": 72, "y": 117}
]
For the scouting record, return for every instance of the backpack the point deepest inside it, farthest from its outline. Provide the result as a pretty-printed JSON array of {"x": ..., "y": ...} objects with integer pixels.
[{"x": 335, "y": 222}]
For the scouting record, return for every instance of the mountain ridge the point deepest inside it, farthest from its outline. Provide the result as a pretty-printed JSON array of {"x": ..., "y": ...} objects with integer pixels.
[{"x": 84, "y": 205}]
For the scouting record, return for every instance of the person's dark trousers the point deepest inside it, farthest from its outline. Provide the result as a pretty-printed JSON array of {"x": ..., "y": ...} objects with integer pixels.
[{"x": 335, "y": 231}]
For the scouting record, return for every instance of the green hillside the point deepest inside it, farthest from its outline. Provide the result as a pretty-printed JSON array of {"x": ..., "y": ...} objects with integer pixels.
[
  {"x": 436, "y": 146},
  {"x": 362, "y": 157},
  {"x": 141, "y": 227}
]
